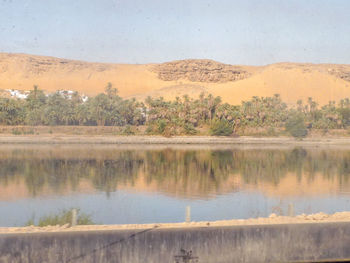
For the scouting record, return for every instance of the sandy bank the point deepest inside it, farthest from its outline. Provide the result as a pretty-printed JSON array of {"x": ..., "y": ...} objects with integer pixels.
[
  {"x": 271, "y": 220},
  {"x": 96, "y": 139}
]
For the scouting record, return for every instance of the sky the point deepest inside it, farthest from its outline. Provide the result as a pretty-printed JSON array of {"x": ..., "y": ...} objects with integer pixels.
[{"x": 250, "y": 32}]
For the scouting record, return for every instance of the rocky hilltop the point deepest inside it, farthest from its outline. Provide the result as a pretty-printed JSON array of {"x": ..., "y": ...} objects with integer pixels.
[
  {"x": 39, "y": 65},
  {"x": 234, "y": 83},
  {"x": 340, "y": 71},
  {"x": 200, "y": 70}
]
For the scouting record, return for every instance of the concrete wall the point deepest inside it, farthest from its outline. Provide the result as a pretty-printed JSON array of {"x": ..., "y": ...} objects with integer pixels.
[{"x": 265, "y": 243}]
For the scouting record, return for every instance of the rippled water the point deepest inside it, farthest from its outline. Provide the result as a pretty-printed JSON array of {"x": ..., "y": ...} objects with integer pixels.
[{"x": 148, "y": 184}]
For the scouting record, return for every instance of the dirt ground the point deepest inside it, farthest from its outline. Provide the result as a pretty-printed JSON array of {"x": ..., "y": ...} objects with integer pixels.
[{"x": 175, "y": 140}]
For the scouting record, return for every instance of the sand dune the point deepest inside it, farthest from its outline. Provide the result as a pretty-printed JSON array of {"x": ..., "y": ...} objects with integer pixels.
[{"x": 292, "y": 81}]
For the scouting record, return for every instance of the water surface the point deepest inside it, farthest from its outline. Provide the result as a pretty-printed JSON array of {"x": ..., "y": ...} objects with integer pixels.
[{"x": 148, "y": 184}]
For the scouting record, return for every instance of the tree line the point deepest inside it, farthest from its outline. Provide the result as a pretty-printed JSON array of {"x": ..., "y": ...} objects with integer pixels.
[{"x": 183, "y": 115}]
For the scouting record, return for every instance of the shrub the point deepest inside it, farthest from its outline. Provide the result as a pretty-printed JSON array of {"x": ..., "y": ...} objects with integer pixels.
[
  {"x": 161, "y": 125},
  {"x": 128, "y": 130},
  {"x": 296, "y": 127},
  {"x": 169, "y": 131},
  {"x": 29, "y": 131},
  {"x": 221, "y": 128},
  {"x": 62, "y": 218},
  {"x": 16, "y": 131},
  {"x": 189, "y": 129},
  {"x": 345, "y": 116},
  {"x": 271, "y": 131}
]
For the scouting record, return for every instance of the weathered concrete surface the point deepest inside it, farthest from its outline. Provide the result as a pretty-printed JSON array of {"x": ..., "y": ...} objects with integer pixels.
[{"x": 261, "y": 243}]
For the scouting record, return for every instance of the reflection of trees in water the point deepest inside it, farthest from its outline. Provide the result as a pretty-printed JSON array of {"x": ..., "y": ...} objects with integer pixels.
[
  {"x": 199, "y": 171},
  {"x": 104, "y": 175},
  {"x": 255, "y": 166}
]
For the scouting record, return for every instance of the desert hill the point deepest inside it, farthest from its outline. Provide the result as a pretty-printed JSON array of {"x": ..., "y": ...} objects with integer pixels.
[{"x": 233, "y": 83}]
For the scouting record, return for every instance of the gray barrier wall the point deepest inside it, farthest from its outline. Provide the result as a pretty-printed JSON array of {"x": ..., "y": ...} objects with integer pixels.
[{"x": 263, "y": 243}]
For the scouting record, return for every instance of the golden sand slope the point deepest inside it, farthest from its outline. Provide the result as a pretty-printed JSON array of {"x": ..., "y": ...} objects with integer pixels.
[{"x": 293, "y": 81}]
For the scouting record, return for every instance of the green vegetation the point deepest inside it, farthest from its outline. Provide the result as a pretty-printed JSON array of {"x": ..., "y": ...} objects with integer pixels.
[
  {"x": 182, "y": 116},
  {"x": 295, "y": 125},
  {"x": 62, "y": 218},
  {"x": 128, "y": 130},
  {"x": 221, "y": 128}
]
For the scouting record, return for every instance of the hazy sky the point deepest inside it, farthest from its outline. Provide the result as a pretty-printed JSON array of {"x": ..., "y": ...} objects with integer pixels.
[{"x": 141, "y": 31}]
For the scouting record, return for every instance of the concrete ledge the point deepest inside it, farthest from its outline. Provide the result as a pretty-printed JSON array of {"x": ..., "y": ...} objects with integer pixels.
[{"x": 259, "y": 243}]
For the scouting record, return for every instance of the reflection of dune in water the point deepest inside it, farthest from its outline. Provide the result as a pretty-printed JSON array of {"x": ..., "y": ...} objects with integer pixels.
[
  {"x": 177, "y": 189},
  {"x": 289, "y": 186},
  {"x": 19, "y": 190},
  {"x": 292, "y": 186},
  {"x": 184, "y": 189}
]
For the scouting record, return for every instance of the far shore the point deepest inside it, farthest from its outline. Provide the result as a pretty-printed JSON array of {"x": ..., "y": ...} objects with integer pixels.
[{"x": 175, "y": 140}]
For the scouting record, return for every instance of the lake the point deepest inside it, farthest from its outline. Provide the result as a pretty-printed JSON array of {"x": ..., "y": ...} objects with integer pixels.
[{"x": 151, "y": 184}]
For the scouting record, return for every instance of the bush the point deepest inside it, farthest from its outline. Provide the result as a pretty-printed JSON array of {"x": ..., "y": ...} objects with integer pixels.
[
  {"x": 345, "y": 116},
  {"x": 29, "y": 131},
  {"x": 128, "y": 130},
  {"x": 161, "y": 125},
  {"x": 62, "y": 218},
  {"x": 189, "y": 129},
  {"x": 169, "y": 131},
  {"x": 296, "y": 127},
  {"x": 271, "y": 131},
  {"x": 221, "y": 128},
  {"x": 16, "y": 131}
]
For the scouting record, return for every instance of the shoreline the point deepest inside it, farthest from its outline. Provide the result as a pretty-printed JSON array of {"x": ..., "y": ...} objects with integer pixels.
[
  {"x": 175, "y": 140},
  {"x": 273, "y": 219}
]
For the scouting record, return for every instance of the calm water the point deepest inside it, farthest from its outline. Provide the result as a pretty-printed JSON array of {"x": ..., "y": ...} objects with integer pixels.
[{"x": 120, "y": 184}]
